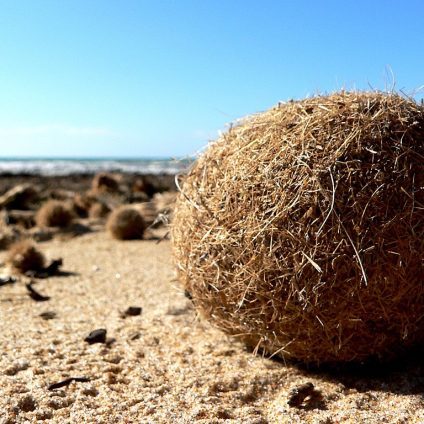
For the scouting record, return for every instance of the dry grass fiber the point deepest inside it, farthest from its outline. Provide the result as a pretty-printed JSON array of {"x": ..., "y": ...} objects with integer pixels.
[{"x": 301, "y": 230}]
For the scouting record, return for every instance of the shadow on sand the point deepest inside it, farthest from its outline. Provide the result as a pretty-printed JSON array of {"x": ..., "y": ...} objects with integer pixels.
[{"x": 402, "y": 375}]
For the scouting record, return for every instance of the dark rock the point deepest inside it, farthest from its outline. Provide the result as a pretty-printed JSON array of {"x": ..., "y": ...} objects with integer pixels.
[
  {"x": 48, "y": 315},
  {"x": 96, "y": 336},
  {"x": 132, "y": 311}
]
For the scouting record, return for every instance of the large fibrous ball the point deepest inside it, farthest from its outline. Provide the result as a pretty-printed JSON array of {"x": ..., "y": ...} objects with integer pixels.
[{"x": 301, "y": 229}]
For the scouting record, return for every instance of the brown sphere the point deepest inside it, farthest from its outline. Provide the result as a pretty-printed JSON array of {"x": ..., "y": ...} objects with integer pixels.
[
  {"x": 104, "y": 183},
  {"x": 82, "y": 203},
  {"x": 98, "y": 210},
  {"x": 24, "y": 256},
  {"x": 301, "y": 230},
  {"x": 125, "y": 223},
  {"x": 54, "y": 213}
]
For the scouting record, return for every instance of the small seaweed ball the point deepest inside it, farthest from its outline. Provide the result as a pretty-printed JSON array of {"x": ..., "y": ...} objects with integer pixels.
[
  {"x": 23, "y": 256},
  {"x": 126, "y": 223},
  {"x": 98, "y": 210},
  {"x": 143, "y": 184},
  {"x": 54, "y": 213},
  {"x": 82, "y": 203},
  {"x": 301, "y": 230},
  {"x": 104, "y": 182},
  {"x": 19, "y": 197}
]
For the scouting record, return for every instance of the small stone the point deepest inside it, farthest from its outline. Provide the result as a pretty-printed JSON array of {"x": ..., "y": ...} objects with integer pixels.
[
  {"x": 96, "y": 336},
  {"x": 48, "y": 315},
  {"x": 132, "y": 311}
]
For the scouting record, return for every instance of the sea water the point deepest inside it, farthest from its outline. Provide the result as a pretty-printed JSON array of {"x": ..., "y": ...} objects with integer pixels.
[{"x": 68, "y": 166}]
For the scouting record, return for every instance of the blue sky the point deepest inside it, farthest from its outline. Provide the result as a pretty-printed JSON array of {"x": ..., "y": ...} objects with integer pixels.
[{"x": 138, "y": 78}]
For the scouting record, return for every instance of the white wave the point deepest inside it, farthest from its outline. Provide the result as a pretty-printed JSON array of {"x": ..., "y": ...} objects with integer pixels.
[{"x": 90, "y": 166}]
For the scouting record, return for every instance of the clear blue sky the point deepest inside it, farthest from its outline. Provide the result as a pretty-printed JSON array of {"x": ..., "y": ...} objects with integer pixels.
[{"x": 138, "y": 78}]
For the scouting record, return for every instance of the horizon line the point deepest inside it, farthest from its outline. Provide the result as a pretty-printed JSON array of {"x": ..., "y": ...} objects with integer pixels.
[{"x": 89, "y": 157}]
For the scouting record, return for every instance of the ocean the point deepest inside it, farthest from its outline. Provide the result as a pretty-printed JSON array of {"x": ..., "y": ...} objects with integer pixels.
[{"x": 68, "y": 166}]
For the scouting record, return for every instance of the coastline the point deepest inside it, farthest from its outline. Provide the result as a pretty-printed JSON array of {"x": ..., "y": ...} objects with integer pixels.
[
  {"x": 68, "y": 166},
  {"x": 80, "y": 182}
]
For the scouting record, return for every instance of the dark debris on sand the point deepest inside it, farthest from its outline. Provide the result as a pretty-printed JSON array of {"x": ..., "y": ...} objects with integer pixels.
[
  {"x": 96, "y": 336},
  {"x": 34, "y": 294},
  {"x": 67, "y": 382}
]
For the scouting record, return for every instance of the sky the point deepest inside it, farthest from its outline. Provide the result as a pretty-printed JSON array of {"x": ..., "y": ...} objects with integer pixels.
[{"x": 161, "y": 78}]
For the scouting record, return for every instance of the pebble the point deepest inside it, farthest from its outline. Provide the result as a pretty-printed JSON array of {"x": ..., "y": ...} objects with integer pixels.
[
  {"x": 96, "y": 336},
  {"x": 132, "y": 311},
  {"x": 48, "y": 315}
]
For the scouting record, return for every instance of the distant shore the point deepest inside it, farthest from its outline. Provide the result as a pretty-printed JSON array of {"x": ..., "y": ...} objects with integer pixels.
[
  {"x": 80, "y": 182},
  {"x": 71, "y": 166}
]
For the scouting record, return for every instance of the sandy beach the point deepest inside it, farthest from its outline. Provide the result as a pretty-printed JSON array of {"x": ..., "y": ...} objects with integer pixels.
[
  {"x": 211, "y": 212},
  {"x": 165, "y": 365}
]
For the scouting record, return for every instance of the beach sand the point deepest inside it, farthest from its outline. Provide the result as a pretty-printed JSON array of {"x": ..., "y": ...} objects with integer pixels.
[{"x": 165, "y": 365}]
